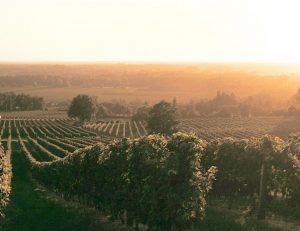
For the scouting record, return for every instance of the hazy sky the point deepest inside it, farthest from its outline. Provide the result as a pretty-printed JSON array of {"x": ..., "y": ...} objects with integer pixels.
[{"x": 150, "y": 30}]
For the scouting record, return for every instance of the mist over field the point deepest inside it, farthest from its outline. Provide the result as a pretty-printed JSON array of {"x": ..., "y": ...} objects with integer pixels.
[{"x": 150, "y": 82}]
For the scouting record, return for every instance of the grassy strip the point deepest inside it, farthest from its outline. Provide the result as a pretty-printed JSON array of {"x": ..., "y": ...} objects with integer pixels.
[
  {"x": 218, "y": 220},
  {"x": 28, "y": 210}
]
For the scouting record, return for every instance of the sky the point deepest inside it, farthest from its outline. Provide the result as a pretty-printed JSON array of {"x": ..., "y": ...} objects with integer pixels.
[{"x": 150, "y": 30}]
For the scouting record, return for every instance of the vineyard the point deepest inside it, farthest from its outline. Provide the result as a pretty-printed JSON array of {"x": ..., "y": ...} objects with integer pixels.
[
  {"x": 42, "y": 134},
  {"x": 205, "y": 128},
  {"x": 140, "y": 115},
  {"x": 45, "y": 139},
  {"x": 119, "y": 128},
  {"x": 40, "y": 114},
  {"x": 143, "y": 181}
]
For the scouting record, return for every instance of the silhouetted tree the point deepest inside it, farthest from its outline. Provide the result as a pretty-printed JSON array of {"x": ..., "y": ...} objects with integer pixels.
[
  {"x": 292, "y": 111},
  {"x": 141, "y": 114},
  {"x": 82, "y": 107},
  {"x": 11, "y": 101},
  {"x": 162, "y": 118},
  {"x": 296, "y": 97}
]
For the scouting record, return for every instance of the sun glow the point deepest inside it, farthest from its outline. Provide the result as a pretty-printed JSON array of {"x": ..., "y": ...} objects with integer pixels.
[{"x": 150, "y": 30}]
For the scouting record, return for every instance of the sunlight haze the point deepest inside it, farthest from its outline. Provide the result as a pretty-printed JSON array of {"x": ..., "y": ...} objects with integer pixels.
[{"x": 150, "y": 30}]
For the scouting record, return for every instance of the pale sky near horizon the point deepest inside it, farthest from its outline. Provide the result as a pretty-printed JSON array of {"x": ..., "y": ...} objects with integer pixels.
[{"x": 150, "y": 30}]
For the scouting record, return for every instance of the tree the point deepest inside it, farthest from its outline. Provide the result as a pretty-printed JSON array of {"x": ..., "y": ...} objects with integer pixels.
[
  {"x": 296, "y": 97},
  {"x": 167, "y": 185},
  {"x": 292, "y": 111},
  {"x": 11, "y": 101},
  {"x": 162, "y": 118},
  {"x": 82, "y": 107},
  {"x": 141, "y": 114}
]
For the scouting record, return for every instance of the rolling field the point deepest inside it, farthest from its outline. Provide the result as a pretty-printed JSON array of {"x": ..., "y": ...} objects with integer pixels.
[
  {"x": 119, "y": 128},
  {"x": 211, "y": 128},
  {"x": 44, "y": 141},
  {"x": 206, "y": 128},
  {"x": 47, "y": 139}
]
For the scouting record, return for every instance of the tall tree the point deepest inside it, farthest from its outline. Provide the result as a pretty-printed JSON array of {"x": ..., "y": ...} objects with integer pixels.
[
  {"x": 82, "y": 107},
  {"x": 162, "y": 118}
]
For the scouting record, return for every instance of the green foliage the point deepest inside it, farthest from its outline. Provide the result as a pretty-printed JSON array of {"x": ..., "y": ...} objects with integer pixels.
[
  {"x": 239, "y": 164},
  {"x": 10, "y": 101},
  {"x": 163, "y": 181},
  {"x": 154, "y": 180},
  {"x": 82, "y": 107},
  {"x": 162, "y": 118},
  {"x": 31, "y": 209},
  {"x": 142, "y": 114},
  {"x": 238, "y": 171},
  {"x": 5, "y": 176},
  {"x": 286, "y": 172},
  {"x": 188, "y": 182}
]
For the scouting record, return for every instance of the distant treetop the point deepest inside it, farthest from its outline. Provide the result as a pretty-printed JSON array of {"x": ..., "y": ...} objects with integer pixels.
[{"x": 11, "y": 101}]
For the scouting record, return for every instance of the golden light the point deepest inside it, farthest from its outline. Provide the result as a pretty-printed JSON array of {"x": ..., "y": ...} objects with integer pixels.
[{"x": 150, "y": 30}]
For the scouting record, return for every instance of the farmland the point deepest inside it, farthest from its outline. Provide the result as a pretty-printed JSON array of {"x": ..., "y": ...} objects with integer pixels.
[
  {"x": 149, "y": 116},
  {"x": 52, "y": 149},
  {"x": 206, "y": 128},
  {"x": 44, "y": 141},
  {"x": 239, "y": 127},
  {"x": 40, "y": 134},
  {"x": 119, "y": 128}
]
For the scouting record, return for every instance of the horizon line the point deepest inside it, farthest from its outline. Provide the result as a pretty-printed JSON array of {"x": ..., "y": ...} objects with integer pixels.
[{"x": 150, "y": 62}]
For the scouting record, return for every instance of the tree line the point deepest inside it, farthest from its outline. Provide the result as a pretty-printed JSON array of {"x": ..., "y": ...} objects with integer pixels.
[
  {"x": 222, "y": 105},
  {"x": 11, "y": 101}
]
